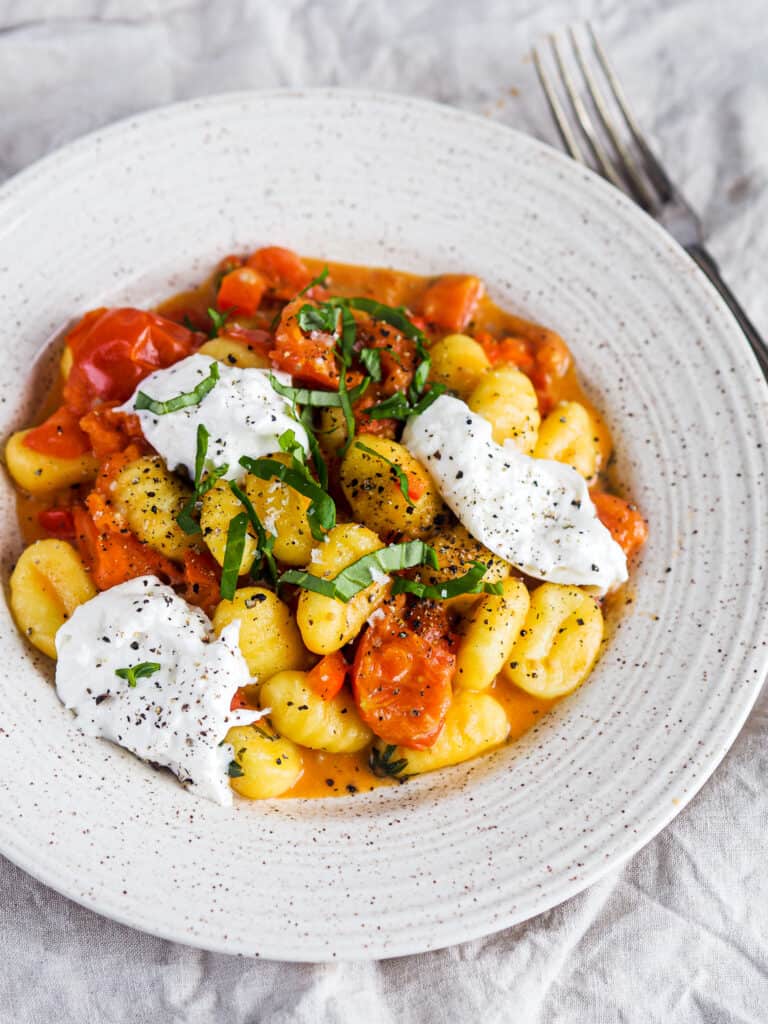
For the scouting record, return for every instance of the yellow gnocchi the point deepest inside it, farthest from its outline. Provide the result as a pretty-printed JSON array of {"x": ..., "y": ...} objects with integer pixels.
[
  {"x": 456, "y": 551},
  {"x": 218, "y": 508},
  {"x": 373, "y": 489},
  {"x": 269, "y": 637},
  {"x": 283, "y": 511},
  {"x": 488, "y": 634},
  {"x": 325, "y": 623},
  {"x": 48, "y": 583},
  {"x": 505, "y": 397},
  {"x": 475, "y": 722},
  {"x": 269, "y": 764},
  {"x": 569, "y": 434},
  {"x": 558, "y": 644},
  {"x": 149, "y": 498},
  {"x": 458, "y": 362},
  {"x": 40, "y": 474},
  {"x": 300, "y": 714},
  {"x": 234, "y": 353}
]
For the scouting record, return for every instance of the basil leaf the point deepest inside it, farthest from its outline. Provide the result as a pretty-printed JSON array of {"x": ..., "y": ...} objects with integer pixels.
[
  {"x": 185, "y": 518},
  {"x": 183, "y": 401},
  {"x": 348, "y": 332},
  {"x": 318, "y": 399},
  {"x": 234, "y": 771},
  {"x": 382, "y": 765},
  {"x": 323, "y": 318},
  {"x": 428, "y": 398},
  {"x": 320, "y": 279},
  {"x": 264, "y": 540},
  {"x": 322, "y": 510},
  {"x": 349, "y": 416},
  {"x": 361, "y": 574},
  {"x": 401, "y": 476},
  {"x": 200, "y": 452},
  {"x": 292, "y": 447},
  {"x": 140, "y": 671},
  {"x": 469, "y": 583},
  {"x": 419, "y": 381},
  {"x": 218, "y": 322},
  {"x": 233, "y": 555},
  {"x": 395, "y": 407},
  {"x": 305, "y": 418},
  {"x": 394, "y": 316},
  {"x": 371, "y": 360}
]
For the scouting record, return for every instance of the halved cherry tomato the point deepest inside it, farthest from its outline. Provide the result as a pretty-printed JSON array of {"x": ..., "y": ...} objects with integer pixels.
[
  {"x": 398, "y": 355},
  {"x": 402, "y": 674},
  {"x": 110, "y": 431},
  {"x": 241, "y": 291},
  {"x": 451, "y": 300},
  {"x": 284, "y": 270},
  {"x": 114, "y": 349},
  {"x": 60, "y": 436},
  {"x": 114, "y": 556},
  {"x": 310, "y": 357},
  {"x": 202, "y": 580},
  {"x": 57, "y": 521},
  {"x": 328, "y": 675},
  {"x": 625, "y": 522},
  {"x": 518, "y": 351}
]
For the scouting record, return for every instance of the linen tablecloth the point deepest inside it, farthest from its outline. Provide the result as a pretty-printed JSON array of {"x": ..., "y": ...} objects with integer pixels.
[{"x": 679, "y": 933}]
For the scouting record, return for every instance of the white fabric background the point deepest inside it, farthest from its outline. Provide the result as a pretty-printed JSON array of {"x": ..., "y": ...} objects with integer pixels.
[{"x": 679, "y": 934}]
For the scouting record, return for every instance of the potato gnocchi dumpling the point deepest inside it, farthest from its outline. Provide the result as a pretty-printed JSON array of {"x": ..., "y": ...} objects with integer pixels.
[
  {"x": 456, "y": 551},
  {"x": 569, "y": 434},
  {"x": 459, "y": 363},
  {"x": 269, "y": 637},
  {"x": 38, "y": 473},
  {"x": 325, "y": 623},
  {"x": 488, "y": 633},
  {"x": 270, "y": 764},
  {"x": 475, "y": 722},
  {"x": 47, "y": 585},
  {"x": 219, "y": 506},
  {"x": 300, "y": 714},
  {"x": 283, "y": 511},
  {"x": 373, "y": 489},
  {"x": 505, "y": 397},
  {"x": 149, "y": 498},
  {"x": 234, "y": 353},
  {"x": 558, "y": 644}
]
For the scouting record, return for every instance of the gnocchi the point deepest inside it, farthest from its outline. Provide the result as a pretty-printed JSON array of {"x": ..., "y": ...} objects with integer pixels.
[
  {"x": 149, "y": 498},
  {"x": 459, "y": 362},
  {"x": 300, "y": 714},
  {"x": 456, "y": 550},
  {"x": 506, "y": 398},
  {"x": 373, "y": 489},
  {"x": 325, "y": 623},
  {"x": 234, "y": 353},
  {"x": 269, "y": 637},
  {"x": 47, "y": 585},
  {"x": 284, "y": 514},
  {"x": 568, "y": 434},
  {"x": 558, "y": 644},
  {"x": 39, "y": 474},
  {"x": 219, "y": 506},
  {"x": 269, "y": 764},
  {"x": 488, "y": 634},
  {"x": 475, "y": 723}
]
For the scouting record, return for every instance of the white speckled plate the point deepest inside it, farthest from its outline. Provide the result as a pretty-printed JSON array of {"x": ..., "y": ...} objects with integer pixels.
[{"x": 145, "y": 207}]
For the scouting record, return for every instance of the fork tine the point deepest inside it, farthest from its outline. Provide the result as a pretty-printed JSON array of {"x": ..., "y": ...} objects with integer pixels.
[
  {"x": 656, "y": 172},
  {"x": 626, "y": 162},
  {"x": 556, "y": 109}
]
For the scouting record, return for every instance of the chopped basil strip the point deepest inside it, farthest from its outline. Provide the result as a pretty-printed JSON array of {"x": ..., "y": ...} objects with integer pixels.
[
  {"x": 419, "y": 381},
  {"x": 397, "y": 406},
  {"x": 323, "y": 318},
  {"x": 264, "y": 540},
  {"x": 322, "y": 510},
  {"x": 320, "y": 279},
  {"x": 185, "y": 518},
  {"x": 402, "y": 477},
  {"x": 469, "y": 583},
  {"x": 140, "y": 671},
  {"x": 349, "y": 416},
  {"x": 394, "y": 316},
  {"x": 292, "y": 447},
  {"x": 381, "y": 764},
  {"x": 234, "y": 770},
  {"x": 183, "y": 401},
  {"x": 233, "y": 555},
  {"x": 371, "y": 360},
  {"x": 218, "y": 322},
  {"x": 365, "y": 570},
  {"x": 319, "y": 399},
  {"x": 305, "y": 418}
]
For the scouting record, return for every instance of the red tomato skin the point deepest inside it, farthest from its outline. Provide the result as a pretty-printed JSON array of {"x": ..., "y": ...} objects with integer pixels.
[
  {"x": 450, "y": 301},
  {"x": 59, "y": 522},
  {"x": 309, "y": 357},
  {"x": 285, "y": 271},
  {"x": 624, "y": 521},
  {"x": 241, "y": 291},
  {"x": 328, "y": 675},
  {"x": 60, "y": 436}
]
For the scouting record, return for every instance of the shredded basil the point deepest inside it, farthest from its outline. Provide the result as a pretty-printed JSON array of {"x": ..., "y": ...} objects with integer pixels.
[
  {"x": 360, "y": 574},
  {"x": 183, "y": 401},
  {"x": 322, "y": 510},
  {"x": 264, "y": 540},
  {"x": 402, "y": 477},
  {"x": 469, "y": 583},
  {"x": 234, "y": 770},
  {"x": 318, "y": 399},
  {"x": 185, "y": 518},
  {"x": 140, "y": 671},
  {"x": 305, "y": 418},
  {"x": 395, "y": 316},
  {"x": 371, "y": 360},
  {"x": 322, "y": 318},
  {"x": 218, "y": 322},
  {"x": 397, "y": 406},
  {"x": 381, "y": 764},
  {"x": 233, "y": 555}
]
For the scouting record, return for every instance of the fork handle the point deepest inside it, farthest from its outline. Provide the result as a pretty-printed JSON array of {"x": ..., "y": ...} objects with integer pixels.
[{"x": 700, "y": 256}]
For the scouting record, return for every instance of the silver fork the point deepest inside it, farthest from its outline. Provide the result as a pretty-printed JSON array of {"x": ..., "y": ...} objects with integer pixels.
[{"x": 627, "y": 162}]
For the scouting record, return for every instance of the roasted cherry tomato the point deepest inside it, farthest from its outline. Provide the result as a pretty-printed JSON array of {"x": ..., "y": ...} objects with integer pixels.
[
  {"x": 110, "y": 431},
  {"x": 57, "y": 521},
  {"x": 308, "y": 356},
  {"x": 402, "y": 674},
  {"x": 450, "y": 301},
  {"x": 60, "y": 436},
  {"x": 202, "y": 580},
  {"x": 625, "y": 522},
  {"x": 114, "y": 349},
  {"x": 285, "y": 272},
  {"x": 241, "y": 291},
  {"x": 328, "y": 675}
]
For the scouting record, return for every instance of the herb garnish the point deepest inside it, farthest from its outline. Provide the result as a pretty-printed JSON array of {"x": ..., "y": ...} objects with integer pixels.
[
  {"x": 218, "y": 322},
  {"x": 265, "y": 541},
  {"x": 382, "y": 765},
  {"x": 185, "y": 520},
  {"x": 398, "y": 407},
  {"x": 234, "y": 771},
  {"x": 362, "y": 573},
  {"x": 371, "y": 360},
  {"x": 402, "y": 477},
  {"x": 233, "y": 554},
  {"x": 322, "y": 509},
  {"x": 323, "y": 399},
  {"x": 470, "y": 583},
  {"x": 140, "y": 671},
  {"x": 183, "y": 401}
]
